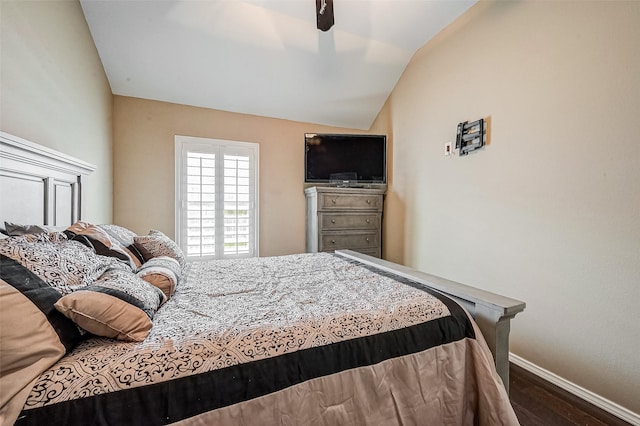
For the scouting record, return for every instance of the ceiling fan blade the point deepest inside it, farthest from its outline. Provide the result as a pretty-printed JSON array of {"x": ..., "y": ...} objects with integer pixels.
[{"x": 324, "y": 14}]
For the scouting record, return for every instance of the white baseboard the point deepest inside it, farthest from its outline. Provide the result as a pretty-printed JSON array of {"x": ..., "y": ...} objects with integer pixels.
[{"x": 595, "y": 399}]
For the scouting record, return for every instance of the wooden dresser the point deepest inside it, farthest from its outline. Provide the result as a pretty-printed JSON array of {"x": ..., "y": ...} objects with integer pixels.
[{"x": 344, "y": 218}]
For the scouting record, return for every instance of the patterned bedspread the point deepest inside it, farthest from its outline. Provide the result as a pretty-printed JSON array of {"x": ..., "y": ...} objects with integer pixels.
[{"x": 240, "y": 329}]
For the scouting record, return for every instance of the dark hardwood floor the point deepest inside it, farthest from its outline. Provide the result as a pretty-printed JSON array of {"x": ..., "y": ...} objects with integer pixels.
[{"x": 540, "y": 403}]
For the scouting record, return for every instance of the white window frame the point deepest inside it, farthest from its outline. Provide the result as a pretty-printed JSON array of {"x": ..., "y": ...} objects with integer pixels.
[{"x": 185, "y": 144}]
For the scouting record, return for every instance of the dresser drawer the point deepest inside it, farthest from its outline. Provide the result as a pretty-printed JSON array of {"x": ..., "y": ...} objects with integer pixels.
[
  {"x": 350, "y": 201},
  {"x": 350, "y": 240},
  {"x": 339, "y": 221}
]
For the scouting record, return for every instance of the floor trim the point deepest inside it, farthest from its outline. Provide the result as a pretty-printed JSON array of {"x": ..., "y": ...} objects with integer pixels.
[{"x": 595, "y": 399}]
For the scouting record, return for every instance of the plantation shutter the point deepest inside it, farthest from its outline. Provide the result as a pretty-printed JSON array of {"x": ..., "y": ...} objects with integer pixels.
[{"x": 216, "y": 194}]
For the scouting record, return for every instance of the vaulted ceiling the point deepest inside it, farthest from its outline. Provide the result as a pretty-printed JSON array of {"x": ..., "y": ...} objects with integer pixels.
[{"x": 265, "y": 57}]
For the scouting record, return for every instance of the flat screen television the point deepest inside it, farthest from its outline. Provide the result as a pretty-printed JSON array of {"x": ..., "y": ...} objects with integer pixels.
[{"x": 345, "y": 159}]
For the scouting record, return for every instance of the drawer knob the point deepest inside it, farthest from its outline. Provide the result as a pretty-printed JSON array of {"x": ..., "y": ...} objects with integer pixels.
[
  {"x": 333, "y": 241},
  {"x": 368, "y": 201},
  {"x": 333, "y": 221},
  {"x": 368, "y": 221},
  {"x": 333, "y": 200},
  {"x": 367, "y": 239}
]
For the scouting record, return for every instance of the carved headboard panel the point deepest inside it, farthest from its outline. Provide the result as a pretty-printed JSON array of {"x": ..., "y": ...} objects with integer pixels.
[{"x": 39, "y": 185}]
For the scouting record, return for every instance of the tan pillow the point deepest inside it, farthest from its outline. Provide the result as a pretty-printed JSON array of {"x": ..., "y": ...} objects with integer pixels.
[
  {"x": 33, "y": 334},
  {"x": 118, "y": 305},
  {"x": 105, "y": 315},
  {"x": 162, "y": 272}
]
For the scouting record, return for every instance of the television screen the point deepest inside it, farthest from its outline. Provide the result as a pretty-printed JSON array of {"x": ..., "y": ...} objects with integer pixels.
[{"x": 332, "y": 158}]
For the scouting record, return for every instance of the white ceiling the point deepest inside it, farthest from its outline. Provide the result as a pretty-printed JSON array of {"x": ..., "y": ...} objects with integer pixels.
[{"x": 265, "y": 57}]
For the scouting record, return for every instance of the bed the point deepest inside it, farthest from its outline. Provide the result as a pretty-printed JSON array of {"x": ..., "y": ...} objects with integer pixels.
[{"x": 123, "y": 330}]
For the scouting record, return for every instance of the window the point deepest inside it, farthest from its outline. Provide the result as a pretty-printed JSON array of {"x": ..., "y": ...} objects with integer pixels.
[{"x": 216, "y": 198}]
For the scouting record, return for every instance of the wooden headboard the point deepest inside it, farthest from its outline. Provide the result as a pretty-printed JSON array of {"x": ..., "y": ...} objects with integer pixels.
[{"x": 38, "y": 185}]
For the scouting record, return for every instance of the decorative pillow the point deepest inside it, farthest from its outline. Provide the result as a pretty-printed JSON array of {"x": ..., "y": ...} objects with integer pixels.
[
  {"x": 65, "y": 265},
  {"x": 124, "y": 236},
  {"x": 96, "y": 238},
  {"x": 33, "y": 334},
  {"x": 158, "y": 244},
  {"x": 162, "y": 272},
  {"x": 119, "y": 305},
  {"x": 14, "y": 229}
]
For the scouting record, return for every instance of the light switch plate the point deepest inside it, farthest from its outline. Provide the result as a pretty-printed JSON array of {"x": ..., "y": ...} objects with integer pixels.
[{"x": 447, "y": 148}]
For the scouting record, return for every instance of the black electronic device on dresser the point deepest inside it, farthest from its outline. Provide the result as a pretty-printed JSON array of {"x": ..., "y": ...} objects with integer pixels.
[{"x": 345, "y": 159}]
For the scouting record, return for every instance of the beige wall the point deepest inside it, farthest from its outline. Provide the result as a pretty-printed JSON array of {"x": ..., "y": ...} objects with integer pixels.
[
  {"x": 549, "y": 212},
  {"x": 392, "y": 233},
  {"x": 53, "y": 89},
  {"x": 144, "y": 134}
]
